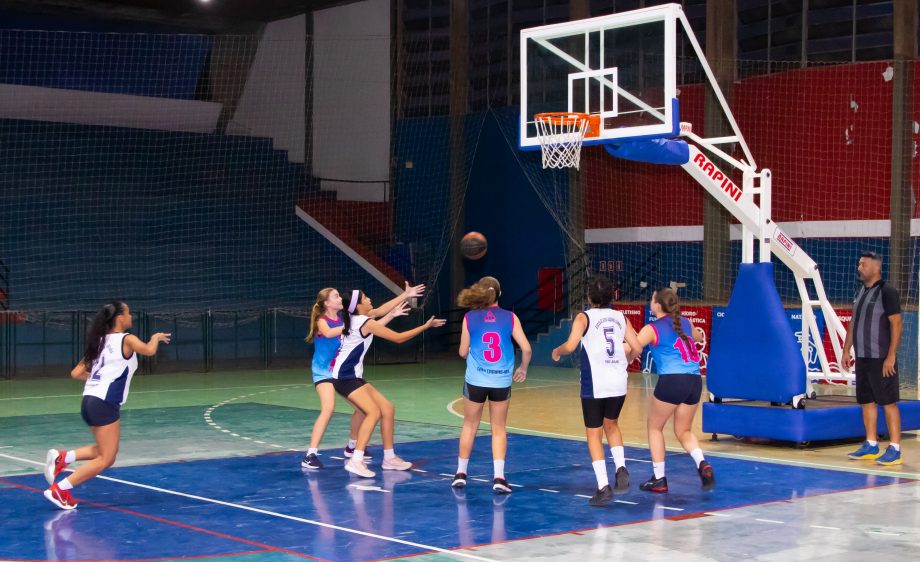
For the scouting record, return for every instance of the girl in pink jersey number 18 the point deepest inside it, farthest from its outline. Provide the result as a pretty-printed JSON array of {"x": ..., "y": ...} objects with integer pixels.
[
  {"x": 108, "y": 364},
  {"x": 680, "y": 384},
  {"x": 486, "y": 344}
]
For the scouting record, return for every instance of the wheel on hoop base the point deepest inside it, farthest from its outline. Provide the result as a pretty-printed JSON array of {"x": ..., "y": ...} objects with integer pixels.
[
  {"x": 714, "y": 399},
  {"x": 798, "y": 402}
]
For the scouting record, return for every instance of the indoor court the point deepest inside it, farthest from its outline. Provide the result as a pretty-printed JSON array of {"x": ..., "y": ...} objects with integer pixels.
[{"x": 209, "y": 209}]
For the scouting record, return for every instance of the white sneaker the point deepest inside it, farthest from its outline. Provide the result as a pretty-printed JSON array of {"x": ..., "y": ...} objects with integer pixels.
[
  {"x": 359, "y": 468},
  {"x": 396, "y": 463}
]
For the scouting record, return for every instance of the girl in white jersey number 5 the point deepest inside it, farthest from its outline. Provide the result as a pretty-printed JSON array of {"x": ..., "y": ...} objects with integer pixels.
[{"x": 108, "y": 365}]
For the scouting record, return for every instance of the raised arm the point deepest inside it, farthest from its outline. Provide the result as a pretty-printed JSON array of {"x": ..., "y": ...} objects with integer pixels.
[
  {"x": 518, "y": 335},
  {"x": 647, "y": 336},
  {"x": 397, "y": 311},
  {"x": 571, "y": 344},
  {"x": 134, "y": 344},
  {"x": 409, "y": 293},
  {"x": 381, "y": 331}
]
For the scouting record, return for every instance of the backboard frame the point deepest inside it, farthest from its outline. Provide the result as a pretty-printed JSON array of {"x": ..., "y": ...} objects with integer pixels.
[{"x": 667, "y": 14}]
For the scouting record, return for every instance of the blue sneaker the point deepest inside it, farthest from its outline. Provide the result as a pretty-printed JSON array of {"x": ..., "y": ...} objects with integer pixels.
[
  {"x": 891, "y": 457},
  {"x": 865, "y": 452}
]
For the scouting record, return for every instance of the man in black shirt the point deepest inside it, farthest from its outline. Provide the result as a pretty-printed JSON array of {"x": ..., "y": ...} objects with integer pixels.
[{"x": 874, "y": 333}]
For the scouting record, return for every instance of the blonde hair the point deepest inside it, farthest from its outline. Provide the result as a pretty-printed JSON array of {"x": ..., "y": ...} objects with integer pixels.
[
  {"x": 667, "y": 299},
  {"x": 482, "y": 294},
  {"x": 319, "y": 308}
]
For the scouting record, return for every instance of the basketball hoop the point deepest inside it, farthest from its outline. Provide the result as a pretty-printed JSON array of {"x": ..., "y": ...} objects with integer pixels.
[{"x": 561, "y": 135}]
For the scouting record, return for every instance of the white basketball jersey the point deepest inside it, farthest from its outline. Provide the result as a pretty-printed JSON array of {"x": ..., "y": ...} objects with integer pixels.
[
  {"x": 603, "y": 360},
  {"x": 349, "y": 362},
  {"x": 110, "y": 377}
]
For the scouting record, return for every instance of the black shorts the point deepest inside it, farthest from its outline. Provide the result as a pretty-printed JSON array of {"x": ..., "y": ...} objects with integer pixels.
[
  {"x": 321, "y": 381},
  {"x": 679, "y": 389},
  {"x": 347, "y": 386},
  {"x": 596, "y": 410},
  {"x": 871, "y": 386},
  {"x": 479, "y": 394},
  {"x": 97, "y": 412}
]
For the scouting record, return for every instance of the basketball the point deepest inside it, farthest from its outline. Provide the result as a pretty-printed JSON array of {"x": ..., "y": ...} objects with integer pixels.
[{"x": 473, "y": 245}]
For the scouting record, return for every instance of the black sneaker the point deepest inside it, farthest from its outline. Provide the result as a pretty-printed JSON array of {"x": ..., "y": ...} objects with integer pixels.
[
  {"x": 622, "y": 479},
  {"x": 310, "y": 460},
  {"x": 501, "y": 486},
  {"x": 349, "y": 452},
  {"x": 601, "y": 497},
  {"x": 459, "y": 480},
  {"x": 657, "y": 485},
  {"x": 707, "y": 476}
]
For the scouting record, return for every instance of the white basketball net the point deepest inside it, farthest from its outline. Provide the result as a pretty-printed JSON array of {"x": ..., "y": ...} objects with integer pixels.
[{"x": 561, "y": 135}]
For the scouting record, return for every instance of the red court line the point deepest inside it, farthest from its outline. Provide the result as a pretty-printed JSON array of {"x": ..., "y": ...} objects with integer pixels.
[
  {"x": 265, "y": 547},
  {"x": 671, "y": 518}
]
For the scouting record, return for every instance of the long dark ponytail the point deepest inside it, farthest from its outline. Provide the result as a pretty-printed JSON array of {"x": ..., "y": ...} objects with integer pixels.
[
  {"x": 101, "y": 325},
  {"x": 346, "y": 314},
  {"x": 667, "y": 299}
]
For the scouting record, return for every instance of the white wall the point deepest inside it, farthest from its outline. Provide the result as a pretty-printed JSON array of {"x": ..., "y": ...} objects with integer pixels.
[
  {"x": 351, "y": 98},
  {"x": 272, "y": 104},
  {"x": 98, "y": 108}
]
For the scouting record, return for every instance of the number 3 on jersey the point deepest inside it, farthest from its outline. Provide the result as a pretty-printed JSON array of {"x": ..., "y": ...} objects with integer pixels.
[{"x": 493, "y": 351}]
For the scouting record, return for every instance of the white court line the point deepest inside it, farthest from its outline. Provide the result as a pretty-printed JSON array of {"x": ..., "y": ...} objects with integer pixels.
[
  {"x": 771, "y": 521},
  {"x": 626, "y": 502},
  {"x": 582, "y": 496},
  {"x": 516, "y": 485},
  {"x": 823, "y": 527},
  {"x": 672, "y": 508},
  {"x": 884, "y": 533},
  {"x": 273, "y": 514},
  {"x": 547, "y": 490},
  {"x": 714, "y": 514},
  {"x": 637, "y": 460},
  {"x": 413, "y": 470},
  {"x": 337, "y": 458}
]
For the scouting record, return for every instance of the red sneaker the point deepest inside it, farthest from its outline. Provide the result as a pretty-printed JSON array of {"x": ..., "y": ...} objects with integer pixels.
[
  {"x": 54, "y": 464},
  {"x": 60, "y": 498}
]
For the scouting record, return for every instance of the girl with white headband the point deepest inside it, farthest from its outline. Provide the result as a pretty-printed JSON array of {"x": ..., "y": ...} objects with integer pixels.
[
  {"x": 325, "y": 334},
  {"x": 348, "y": 378}
]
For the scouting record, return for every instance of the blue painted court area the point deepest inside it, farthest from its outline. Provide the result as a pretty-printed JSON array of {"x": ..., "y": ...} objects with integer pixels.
[{"x": 267, "y": 504}]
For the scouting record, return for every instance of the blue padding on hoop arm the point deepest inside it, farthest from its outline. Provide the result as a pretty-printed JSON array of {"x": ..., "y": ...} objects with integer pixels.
[
  {"x": 755, "y": 356},
  {"x": 653, "y": 151}
]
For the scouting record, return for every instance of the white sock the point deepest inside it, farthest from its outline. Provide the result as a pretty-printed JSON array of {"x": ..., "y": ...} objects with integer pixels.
[
  {"x": 65, "y": 484},
  {"x": 70, "y": 456},
  {"x": 352, "y": 443},
  {"x": 697, "y": 455},
  {"x": 312, "y": 451},
  {"x": 499, "y": 468},
  {"x": 897, "y": 446},
  {"x": 357, "y": 456},
  {"x": 619, "y": 456},
  {"x": 600, "y": 472},
  {"x": 872, "y": 443},
  {"x": 462, "y": 464},
  {"x": 658, "y": 468},
  {"x": 388, "y": 454}
]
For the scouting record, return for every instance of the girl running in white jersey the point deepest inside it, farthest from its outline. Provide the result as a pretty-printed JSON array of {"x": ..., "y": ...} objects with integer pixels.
[
  {"x": 348, "y": 379},
  {"x": 326, "y": 327},
  {"x": 601, "y": 330},
  {"x": 486, "y": 344},
  {"x": 679, "y": 386},
  {"x": 108, "y": 365}
]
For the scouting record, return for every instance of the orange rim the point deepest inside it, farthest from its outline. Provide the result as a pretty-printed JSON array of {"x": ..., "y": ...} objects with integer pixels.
[{"x": 591, "y": 123}]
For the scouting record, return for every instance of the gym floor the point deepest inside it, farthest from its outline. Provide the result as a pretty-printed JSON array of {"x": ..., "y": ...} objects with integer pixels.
[{"x": 209, "y": 467}]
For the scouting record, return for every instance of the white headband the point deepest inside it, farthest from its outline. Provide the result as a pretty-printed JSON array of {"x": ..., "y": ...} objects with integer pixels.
[{"x": 354, "y": 301}]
